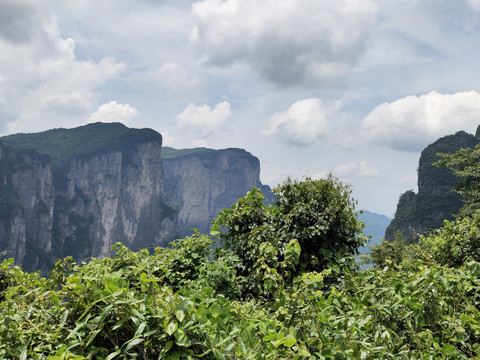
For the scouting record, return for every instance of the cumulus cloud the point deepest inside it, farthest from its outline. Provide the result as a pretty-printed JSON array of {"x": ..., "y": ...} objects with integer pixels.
[
  {"x": 289, "y": 42},
  {"x": 203, "y": 120},
  {"x": 356, "y": 169},
  {"x": 114, "y": 112},
  {"x": 303, "y": 124},
  {"x": 474, "y": 4},
  {"x": 413, "y": 122},
  {"x": 42, "y": 82}
]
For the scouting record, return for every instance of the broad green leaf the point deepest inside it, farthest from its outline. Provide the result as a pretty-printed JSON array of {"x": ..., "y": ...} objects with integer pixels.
[
  {"x": 229, "y": 347},
  {"x": 180, "y": 315},
  {"x": 172, "y": 327},
  {"x": 132, "y": 343},
  {"x": 168, "y": 346},
  {"x": 112, "y": 355},
  {"x": 179, "y": 334},
  {"x": 140, "y": 329}
]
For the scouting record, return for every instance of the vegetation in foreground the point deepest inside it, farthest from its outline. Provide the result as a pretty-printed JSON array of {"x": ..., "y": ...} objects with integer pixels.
[{"x": 283, "y": 286}]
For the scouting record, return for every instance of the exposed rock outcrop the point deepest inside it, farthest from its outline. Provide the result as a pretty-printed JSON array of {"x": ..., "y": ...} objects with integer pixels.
[
  {"x": 112, "y": 200},
  {"x": 417, "y": 213},
  {"x": 79, "y": 191},
  {"x": 92, "y": 187},
  {"x": 199, "y": 183},
  {"x": 26, "y": 204}
]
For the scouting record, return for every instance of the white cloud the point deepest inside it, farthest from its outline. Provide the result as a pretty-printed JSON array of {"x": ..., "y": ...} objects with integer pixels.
[
  {"x": 289, "y": 42},
  {"x": 362, "y": 169},
  {"x": 113, "y": 112},
  {"x": 474, "y": 4},
  {"x": 322, "y": 174},
  {"x": 367, "y": 170},
  {"x": 413, "y": 122},
  {"x": 177, "y": 81},
  {"x": 43, "y": 83},
  {"x": 203, "y": 120},
  {"x": 167, "y": 139},
  {"x": 303, "y": 124},
  {"x": 345, "y": 169}
]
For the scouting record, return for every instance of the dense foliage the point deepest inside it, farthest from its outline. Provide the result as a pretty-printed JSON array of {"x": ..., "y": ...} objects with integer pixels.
[
  {"x": 316, "y": 216},
  {"x": 189, "y": 301},
  {"x": 171, "y": 153},
  {"x": 62, "y": 145},
  {"x": 418, "y": 213},
  {"x": 453, "y": 245},
  {"x": 456, "y": 243},
  {"x": 124, "y": 308},
  {"x": 465, "y": 165}
]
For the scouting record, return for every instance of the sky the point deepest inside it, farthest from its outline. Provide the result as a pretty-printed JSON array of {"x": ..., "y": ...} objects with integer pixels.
[{"x": 356, "y": 88}]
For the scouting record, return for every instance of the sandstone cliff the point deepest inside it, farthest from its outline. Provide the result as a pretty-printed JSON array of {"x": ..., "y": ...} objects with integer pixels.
[
  {"x": 78, "y": 191},
  {"x": 26, "y": 204},
  {"x": 417, "y": 213},
  {"x": 201, "y": 182},
  {"x": 112, "y": 200}
]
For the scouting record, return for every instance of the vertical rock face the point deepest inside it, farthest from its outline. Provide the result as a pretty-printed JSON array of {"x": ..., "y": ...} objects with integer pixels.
[
  {"x": 201, "y": 182},
  {"x": 27, "y": 198},
  {"x": 417, "y": 213},
  {"x": 114, "y": 197},
  {"x": 77, "y": 192}
]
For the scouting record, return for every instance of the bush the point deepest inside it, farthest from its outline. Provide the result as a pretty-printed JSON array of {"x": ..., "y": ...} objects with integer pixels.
[
  {"x": 456, "y": 243},
  {"x": 311, "y": 225},
  {"x": 119, "y": 309}
]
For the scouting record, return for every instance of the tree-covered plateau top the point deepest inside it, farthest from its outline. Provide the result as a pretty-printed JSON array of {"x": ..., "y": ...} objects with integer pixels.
[
  {"x": 62, "y": 145},
  {"x": 169, "y": 153}
]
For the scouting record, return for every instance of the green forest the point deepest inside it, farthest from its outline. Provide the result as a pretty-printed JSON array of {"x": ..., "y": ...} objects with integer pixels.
[{"x": 273, "y": 280}]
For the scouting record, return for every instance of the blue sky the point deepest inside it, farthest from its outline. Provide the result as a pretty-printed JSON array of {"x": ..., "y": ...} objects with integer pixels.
[{"x": 353, "y": 87}]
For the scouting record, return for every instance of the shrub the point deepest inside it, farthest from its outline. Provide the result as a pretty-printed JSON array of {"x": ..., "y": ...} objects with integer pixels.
[{"x": 310, "y": 226}]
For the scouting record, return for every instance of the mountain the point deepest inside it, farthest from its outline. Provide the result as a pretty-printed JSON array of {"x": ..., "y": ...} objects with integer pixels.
[
  {"x": 417, "y": 213},
  {"x": 375, "y": 225},
  {"x": 78, "y": 191},
  {"x": 201, "y": 182}
]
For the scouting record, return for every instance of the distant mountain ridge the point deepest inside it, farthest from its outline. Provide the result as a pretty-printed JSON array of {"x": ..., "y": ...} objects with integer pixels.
[
  {"x": 435, "y": 201},
  {"x": 375, "y": 225},
  {"x": 78, "y": 191}
]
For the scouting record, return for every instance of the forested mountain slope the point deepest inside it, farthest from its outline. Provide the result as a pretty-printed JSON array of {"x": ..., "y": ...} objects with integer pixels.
[{"x": 435, "y": 200}]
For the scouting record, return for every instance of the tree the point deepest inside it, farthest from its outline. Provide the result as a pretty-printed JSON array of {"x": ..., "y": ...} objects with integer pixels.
[
  {"x": 311, "y": 225},
  {"x": 465, "y": 164},
  {"x": 456, "y": 243}
]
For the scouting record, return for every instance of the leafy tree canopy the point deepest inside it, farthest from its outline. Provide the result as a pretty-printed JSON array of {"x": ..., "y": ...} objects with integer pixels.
[
  {"x": 311, "y": 225},
  {"x": 184, "y": 303},
  {"x": 465, "y": 164}
]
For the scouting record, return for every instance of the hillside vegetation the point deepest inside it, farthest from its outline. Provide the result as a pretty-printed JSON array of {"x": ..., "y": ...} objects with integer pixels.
[
  {"x": 283, "y": 286},
  {"x": 435, "y": 201},
  {"x": 171, "y": 153},
  {"x": 63, "y": 145}
]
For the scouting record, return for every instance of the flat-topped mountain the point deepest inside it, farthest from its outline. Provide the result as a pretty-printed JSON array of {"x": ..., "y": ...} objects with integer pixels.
[
  {"x": 201, "y": 182},
  {"x": 78, "y": 191}
]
